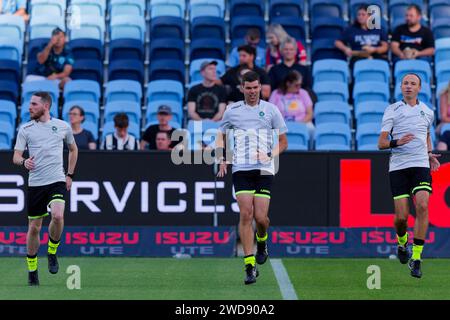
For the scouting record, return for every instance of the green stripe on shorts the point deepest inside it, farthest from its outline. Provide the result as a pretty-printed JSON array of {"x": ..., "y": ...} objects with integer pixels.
[
  {"x": 401, "y": 196},
  {"x": 245, "y": 191},
  {"x": 262, "y": 195},
  {"x": 56, "y": 200},
  {"x": 422, "y": 188},
  {"x": 38, "y": 217}
]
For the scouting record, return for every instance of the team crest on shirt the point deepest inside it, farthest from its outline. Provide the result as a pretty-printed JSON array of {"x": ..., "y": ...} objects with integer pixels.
[
  {"x": 261, "y": 113},
  {"x": 422, "y": 113},
  {"x": 54, "y": 129}
]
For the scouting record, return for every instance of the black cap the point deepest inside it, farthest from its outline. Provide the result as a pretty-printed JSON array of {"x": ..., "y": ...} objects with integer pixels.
[
  {"x": 165, "y": 109},
  {"x": 207, "y": 63},
  {"x": 56, "y": 31}
]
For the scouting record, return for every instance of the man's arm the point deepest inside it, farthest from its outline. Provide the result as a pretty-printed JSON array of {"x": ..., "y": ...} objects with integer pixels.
[
  {"x": 281, "y": 146},
  {"x": 385, "y": 143},
  {"x": 395, "y": 47},
  {"x": 92, "y": 145},
  {"x": 18, "y": 158},
  {"x": 193, "y": 115},
  {"x": 425, "y": 52},
  {"x": 73, "y": 157},
  {"x": 43, "y": 55},
  {"x": 218, "y": 116},
  {"x": 341, "y": 46},
  {"x": 64, "y": 74}
]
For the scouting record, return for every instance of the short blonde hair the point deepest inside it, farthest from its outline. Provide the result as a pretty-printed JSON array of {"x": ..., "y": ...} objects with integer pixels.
[{"x": 279, "y": 32}]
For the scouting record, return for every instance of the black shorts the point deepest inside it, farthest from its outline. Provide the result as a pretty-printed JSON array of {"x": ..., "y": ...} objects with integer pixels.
[
  {"x": 409, "y": 181},
  {"x": 39, "y": 198},
  {"x": 253, "y": 182}
]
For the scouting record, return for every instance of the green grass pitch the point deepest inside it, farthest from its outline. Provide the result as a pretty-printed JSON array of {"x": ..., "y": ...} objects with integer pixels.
[{"x": 214, "y": 279}]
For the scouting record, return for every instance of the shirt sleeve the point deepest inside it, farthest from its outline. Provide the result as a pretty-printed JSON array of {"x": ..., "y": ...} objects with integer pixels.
[
  {"x": 306, "y": 98},
  {"x": 21, "y": 141},
  {"x": 90, "y": 137},
  {"x": 396, "y": 34},
  {"x": 69, "y": 57},
  {"x": 225, "y": 124},
  {"x": 428, "y": 39},
  {"x": 192, "y": 94},
  {"x": 21, "y": 4},
  {"x": 233, "y": 61},
  {"x": 222, "y": 94},
  {"x": 388, "y": 120},
  {"x": 278, "y": 121}
]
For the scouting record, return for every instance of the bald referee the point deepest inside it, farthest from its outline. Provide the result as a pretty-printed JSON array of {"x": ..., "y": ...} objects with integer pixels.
[
  {"x": 252, "y": 123},
  {"x": 408, "y": 122},
  {"x": 44, "y": 138}
]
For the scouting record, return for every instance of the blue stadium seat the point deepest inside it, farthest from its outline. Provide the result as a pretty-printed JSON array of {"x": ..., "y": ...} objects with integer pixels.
[
  {"x": 355, "y": 4},
  {"x": 442, "y": 52},
  {"x": 131, "y": 108},
  {"x": 207, "y": 48},
  {"x": 25, "y": 113},
  {"x": 439, "y": 9},
  {"x": 89, "y": 27},
  {"x": 332, "y": 136},
  {"x": 240, "y": 25},
  {"x": 326, "y": 8},
  {"x": 166, "y": 49},
  {"x": 331, "y": 91},
  {"x": 330, "y": 70},
  {"x": 201, "y": 132},
  {"x": 174, "y": 8},
  {"x": 127, "y": 7},
  {"x": 10, "y": 49},
  {"x": 12, "y": 27},
  {"x": 86, "y": 49},
  {"x": 6, "y": 134},
  {"x": 127, "y": 27},
  {"x": 153, "y": 105},
  {"x": 9, "y": 90},
  {"x": 424, "y": 94},
  {"x": 35, "y": 46},
  {"x": 194, "y": 69},
  {"x": 91, "y": 110},
  {"x": 10, "y": 70},
  {"x": 370, "y": 91},
  {"x": 208, "y": 27},
  {"x": 370, "y": 111},
  {"x": 297, "y": 136},
  {"x": 295, "y": 27},
  {"x": 420, "y": 67},
  {"x": 8, "y": 112},
  {"x": 39, "y": 8},
  {"x": 165, "y": 90},
  {"x": 246, "y": 8},
  {"x": 82, "y": 90},
  {"x": 167, "y": 27},
  {"x": 441, "y": 28},
  {"x": 325, "y": 49},
  {"x": 397, "y": 10},
  {"x": 126, "y": 70},
  {"x": 42, "y": 26},
  {"x": 92, "y": 127},
  {"x": 133, "y": 129},
  {"x": 88, "y": 7},
  {"x": 335, "y": 112},
  {"x": 443, "y": 71},
  {"x": 286, "y": 8},
  {"x": 371, "y": 70},
  {"x": 28, "y": 88},
  {"x": 126, "y": 49},
  {"x": 367, "y": 136},
  {"x": 167, "y": 69},
  {"x": 327, "y": 28},
  {"x": 88, "y": 69},
  {"x": 203, "y": 8},
  {"x": 123, "y": 90}
]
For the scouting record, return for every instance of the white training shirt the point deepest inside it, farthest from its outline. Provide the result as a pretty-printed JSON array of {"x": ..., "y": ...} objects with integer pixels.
[{"x": 399, "y": 119}]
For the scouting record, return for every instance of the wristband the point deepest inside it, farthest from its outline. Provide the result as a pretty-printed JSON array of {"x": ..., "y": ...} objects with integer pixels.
[
  {"x": 393, "y": 144},
  {"x": 70, "y": 175}
]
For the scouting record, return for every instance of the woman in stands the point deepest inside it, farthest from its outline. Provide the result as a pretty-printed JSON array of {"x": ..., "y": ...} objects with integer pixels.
[
  {"x": 444, "y": 106},
  {"x": 294, "y": 103},
  {"x": 360, "y": 41},
  {"x": 275, "y": 36}
]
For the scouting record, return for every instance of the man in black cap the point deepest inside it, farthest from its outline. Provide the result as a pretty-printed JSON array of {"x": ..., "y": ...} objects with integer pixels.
[
  {"x": 164, "y": 116},
  {"x": 55, "y": 60},
  {"x": 207, "y": 100}
]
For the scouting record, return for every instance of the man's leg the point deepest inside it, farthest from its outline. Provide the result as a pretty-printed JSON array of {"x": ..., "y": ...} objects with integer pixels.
[
  {"x": 261, "y": 205},
  {"x": 55, "y": 230},
  {"x": 33, "y": 240},
  {"x": 421, "y": 225},
  {"x": 401, "y": 205}
]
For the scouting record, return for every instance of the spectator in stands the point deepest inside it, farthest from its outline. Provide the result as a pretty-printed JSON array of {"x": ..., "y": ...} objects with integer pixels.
[
  {"x": 412, "y": 40},
  {"x": 207, "y": 100},
  {"x": 252, "y": 38},
  {"x": 164, "y": 116},
  {"x": 275, "y": 36},
  {"x": 54, "y": 60},
  {"x": 294, "y": 103},
  {"x": 120, "y": 139},
  {"x": 163, "y": 141},
  {"x": 360, "y": 42},
  {"x": 444, "y": 141},
  {"x": 279, "y": 72},
  {"x": 84, "y": 138},
  {"x": 444, "y": 108},
  {"x": 232, "y": 78},
  {"x": 15, "y": 7}
]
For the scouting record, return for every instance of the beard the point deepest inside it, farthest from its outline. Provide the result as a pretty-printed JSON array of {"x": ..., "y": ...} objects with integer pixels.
[{"x": 36, "y": 115}]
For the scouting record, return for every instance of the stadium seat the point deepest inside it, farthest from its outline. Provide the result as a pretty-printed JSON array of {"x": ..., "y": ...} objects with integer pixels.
[
  {"x": 89, "y": 27},
  {"x": 371, "y": 70},
  {"x": 335, "y": 112},
  {"x": 439, "y": 9},
  {"x": 167, "y": 27},
  {"x": 397, "y": 9},
  {"x": 6, "y": 134},
  {"x": 127, "y": 7},
  {"x": 330, "y": 27},
  {"x": 330, "y": 70},
  {"x": 175, "y": 8},
  {"x": 86, "y": 49},
  {"x": 131, "y": 108},
  {"x": 332, "y": 136},
  {"x": 194, "y": 69},
  {"x": 246, "y": 8},
  {"x": 325, "y": 49},
  {"x": 443, "y": 71},
  {"x": 445, "y": 127},
  {"x": 10, "y": 70},
  {"x": 297, "y": 136},
  {"x": 367, "y": 136},
  {"x": 25, "y": 113},
  {"x": 35, "y": 46},
  {"x": 9, "y": 90},
  {"x": 88, "y": 7},
  {"x": 12, "y": 27},
  {"x": 126, "y": 49},
  {"x": 331, "y": 91},
  {"x": 42, "y": 26},
  {"x": 165, "y": 90},
  {"x": 8, "y": 112},
  {"x": 127, "y": 27},
  {"x": 370, "y": 111},
  {"x": 240, "y": 25},
  {"x": 50, "y": 86},
  {"x": 208, "y": 27},
  {"x": 207, "y": 48},
  {"x": 153, "y": 105},
  {"x": 82, "y": 90},
  {"x": 88, "y": 69},
  {"x": 286, "y": 8},
  {"x": 295, "y": 27},
  {"x": 442, "y": 52},
  {"x": 370, "y": 91},
  {"x": 166, "y": 49},
  {"x": 92, "y": 127},
  {"x": 201, "y": 132},
  {"x": 126, "y": 69},
  {"x": 206, "y": 8},
  {"x": 133, "y": 129},
  {"x": 425, "y": 94},
  {"x": 441, "y": 28},
  {"x": 355, "y": 4},
  {"x": 39, "y": 8},
  {"x": 167, "y": 69},
  {"x": 326, "y": 8},
  {"x": 420, "y": 67},
  {"x": 123, "y": 90},
  {"x": 10, "y": 49},
  {"x": 91, "y": 110}
]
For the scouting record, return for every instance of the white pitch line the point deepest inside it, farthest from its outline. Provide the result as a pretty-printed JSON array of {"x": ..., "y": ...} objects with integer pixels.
[{"x": 285, "y": 284}]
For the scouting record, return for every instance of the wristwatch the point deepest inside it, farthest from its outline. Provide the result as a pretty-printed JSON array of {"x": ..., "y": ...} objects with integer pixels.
[{"x": 70, "y": 175}]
